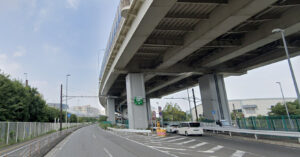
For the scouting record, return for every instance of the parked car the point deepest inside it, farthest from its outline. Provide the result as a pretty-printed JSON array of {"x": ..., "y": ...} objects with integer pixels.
[
  {"x": 190, "y": 128},
  {"x": 172, "y": 128}
]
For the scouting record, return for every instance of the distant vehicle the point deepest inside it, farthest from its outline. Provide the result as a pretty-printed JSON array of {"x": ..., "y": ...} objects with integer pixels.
[
  {"x": 172, "y": 128},
  {"x": 190, "y": 128}
]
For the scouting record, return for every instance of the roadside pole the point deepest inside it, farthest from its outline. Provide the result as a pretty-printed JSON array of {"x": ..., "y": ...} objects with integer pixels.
[
  {"x": 60, "y": 121},
  {"x": 195, "y": 105}
]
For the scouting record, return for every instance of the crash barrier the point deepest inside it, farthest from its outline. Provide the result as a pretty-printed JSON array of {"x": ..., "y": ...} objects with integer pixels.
[
  {"x": 15, "y": 132},
  {"x": 40, "y": 146},
  {"x": 146, "y": 132},
  {"x": 276, "y": 123},
  {"x": 255, "y": 133}
]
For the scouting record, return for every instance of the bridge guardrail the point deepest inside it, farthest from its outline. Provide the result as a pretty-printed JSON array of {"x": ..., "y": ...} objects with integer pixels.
[{"x": 254, "y": 132}]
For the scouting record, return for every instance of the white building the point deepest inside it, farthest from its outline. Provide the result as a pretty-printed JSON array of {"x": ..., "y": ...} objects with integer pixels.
[
  {"x": 249, "y": 107},
  {"x": 86, "y": 110}
]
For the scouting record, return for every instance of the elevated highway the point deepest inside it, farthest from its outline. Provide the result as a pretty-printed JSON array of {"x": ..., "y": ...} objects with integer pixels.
[{"x": 158, "y": 47}]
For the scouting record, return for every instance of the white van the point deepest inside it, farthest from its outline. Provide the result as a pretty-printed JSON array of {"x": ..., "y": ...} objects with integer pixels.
[{"x": 190, "y": 128}]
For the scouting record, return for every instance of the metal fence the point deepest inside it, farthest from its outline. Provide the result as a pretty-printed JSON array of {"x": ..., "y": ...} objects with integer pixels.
[
  {"x": 277, "y": 123},
  {"x": 14, "y": 132}
]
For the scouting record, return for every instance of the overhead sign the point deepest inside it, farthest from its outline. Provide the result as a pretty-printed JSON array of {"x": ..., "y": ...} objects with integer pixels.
[{"x": 138, "y": 100}]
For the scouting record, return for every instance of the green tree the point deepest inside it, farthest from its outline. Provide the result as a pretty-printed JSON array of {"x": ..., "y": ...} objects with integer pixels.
[
  {"x": 237, "y": 115},
  {"x": 23, "y": 103},
  {"x": 172, "y": 112},
  {"x": 279, "y": 109},
  {"x": 73, "y": 118}
]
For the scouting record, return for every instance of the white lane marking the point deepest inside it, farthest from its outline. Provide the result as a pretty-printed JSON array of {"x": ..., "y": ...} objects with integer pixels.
[
  {"x": 198, "y": 145},
  {"x": 238, "y": 153},
  {"x": 185, "y": 142},
  {"x": 166, "y": 138},
  {"x": 169, "y": 148},
  {"x": 166, "y": 152},
  {"x": 176, "y": 139},
  {"x": 107, "y": 152},
  {"x": 212, "y": 150}
]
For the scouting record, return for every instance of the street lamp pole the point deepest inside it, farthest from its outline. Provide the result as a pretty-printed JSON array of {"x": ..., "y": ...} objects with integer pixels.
[
  {"x": 277, "y": 30},
  {"x": 187, "y": 90},
  {"x": 286, "y": 108},
  {"x": 67, "y": 76}
]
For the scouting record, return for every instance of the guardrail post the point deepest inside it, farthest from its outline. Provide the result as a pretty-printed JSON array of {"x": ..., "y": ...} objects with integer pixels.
[
  {"x": 229, "y": 133},
  {"x": 24, "y": 130},
  {"x": 7, "y": 133},
  {"x": 17, "y": 132},
  {"x": 297, "y": 124},
  {"x": 284, "y": 123}
]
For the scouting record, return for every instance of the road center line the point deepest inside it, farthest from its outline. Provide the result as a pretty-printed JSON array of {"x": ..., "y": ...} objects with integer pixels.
[
  {"x": 238, "y": 153},
  {"x": 107, "y": 152},
  {"x": 212, "y": 150},
  {"x": 198, "y": 145}
]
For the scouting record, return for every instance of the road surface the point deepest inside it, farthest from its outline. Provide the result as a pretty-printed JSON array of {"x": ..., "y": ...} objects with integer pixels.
[{"x": 94, "y": 142}]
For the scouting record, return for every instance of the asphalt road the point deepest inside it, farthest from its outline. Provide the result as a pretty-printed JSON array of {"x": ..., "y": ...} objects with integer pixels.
[{"x": 94, "y": 142}]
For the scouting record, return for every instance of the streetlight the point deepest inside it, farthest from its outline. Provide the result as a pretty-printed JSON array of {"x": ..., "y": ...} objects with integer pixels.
[
  {"x": 67, "y": 76},
  {"x": 278, "y": 30},
  {"x": 286, "y": 108}
]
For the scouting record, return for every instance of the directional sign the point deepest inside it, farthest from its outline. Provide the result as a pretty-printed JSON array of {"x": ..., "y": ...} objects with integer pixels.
[
  {"x": 213, "y": 112},
  {"x": 69, "y": 115}
]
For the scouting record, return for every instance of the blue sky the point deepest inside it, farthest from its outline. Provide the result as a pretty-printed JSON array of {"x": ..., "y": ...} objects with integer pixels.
[{"x": 51, "y": 38}]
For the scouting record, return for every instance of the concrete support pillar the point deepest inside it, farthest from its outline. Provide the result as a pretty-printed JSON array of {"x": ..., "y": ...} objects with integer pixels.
[
  {"x": 149, "y": 112},
  {"x": 110, "y": 110},
  {"x": 214, "y": 97},
  {"x": 137, "y": 113}
]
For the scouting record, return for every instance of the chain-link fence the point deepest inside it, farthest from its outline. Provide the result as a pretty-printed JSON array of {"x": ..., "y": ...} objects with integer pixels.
[
  {"x": 278, "y": 123},
  {"x": 14, "y": 132}
]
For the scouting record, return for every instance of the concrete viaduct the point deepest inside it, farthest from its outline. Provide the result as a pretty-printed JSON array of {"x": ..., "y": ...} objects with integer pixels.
[{"x": 158, "y": 47}]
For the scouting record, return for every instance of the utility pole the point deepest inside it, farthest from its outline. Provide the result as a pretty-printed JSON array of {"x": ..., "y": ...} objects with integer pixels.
[
  {"x": 60, "y": 119},
  {"x": 195, "y": 105},
  {"x": 187, "y": 90},
  {"x": 286, "y": 108},
  {"x": 26, "y": 80},
  {"x": 67, "y": 97}
]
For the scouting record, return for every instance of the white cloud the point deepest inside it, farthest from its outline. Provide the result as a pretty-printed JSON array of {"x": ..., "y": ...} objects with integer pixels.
[
  {"x": 43, "y": 13},
  {"x": 8, "y": 66},
  {"x": 19, "y": 52},
  {"x": 51, "y": 49},
  {"x": 73, "y": 4}
]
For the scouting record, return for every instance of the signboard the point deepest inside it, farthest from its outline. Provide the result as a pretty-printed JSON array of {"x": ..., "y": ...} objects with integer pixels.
[
  {"x": 159, "y": 111},
  {"x": 69, "y": 115},
  {"x": 153, "y": 115},
  {"x": 213, "y": 112},
  {"x": 138, "y": 100}
]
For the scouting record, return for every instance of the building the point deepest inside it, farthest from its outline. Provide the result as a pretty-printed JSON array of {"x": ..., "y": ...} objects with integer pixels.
[
  {"x": 57, "y": 106},
  {"x": 86, "y": 110},
  {"x": 249, "y": 107}
]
